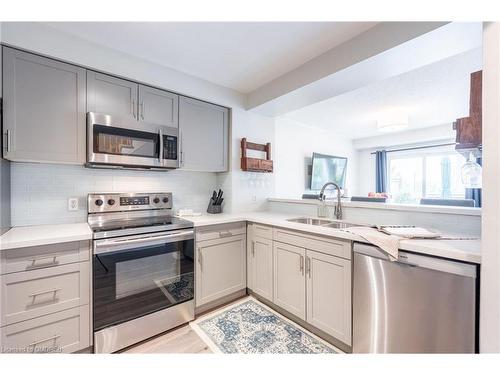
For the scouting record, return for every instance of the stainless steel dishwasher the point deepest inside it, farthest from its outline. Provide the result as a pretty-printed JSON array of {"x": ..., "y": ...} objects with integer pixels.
[{"x": 418, "y": 304}]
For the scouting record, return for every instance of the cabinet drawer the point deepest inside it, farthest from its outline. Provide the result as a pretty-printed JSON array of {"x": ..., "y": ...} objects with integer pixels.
[
  {"x": 36, "y": 257},
  {"x": 264, "y": 231},
  {"x": 28, "y": 295},
  {"x": 66, "y": 331},
  {"x": 220, "y": 231},
  {"x": 326, "y": 245}
]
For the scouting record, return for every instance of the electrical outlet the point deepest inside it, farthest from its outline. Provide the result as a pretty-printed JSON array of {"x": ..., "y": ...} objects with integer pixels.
[{"x": 72, "y": 204}]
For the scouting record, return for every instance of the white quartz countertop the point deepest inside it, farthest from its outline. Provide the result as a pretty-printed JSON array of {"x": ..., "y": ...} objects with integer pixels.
[
  {"x": 37, "y": 235},
  {"x": 463, "y": 250}
]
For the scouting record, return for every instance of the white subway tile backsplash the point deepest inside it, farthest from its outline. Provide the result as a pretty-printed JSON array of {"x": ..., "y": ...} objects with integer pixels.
[{"x": 40, "y": 192}]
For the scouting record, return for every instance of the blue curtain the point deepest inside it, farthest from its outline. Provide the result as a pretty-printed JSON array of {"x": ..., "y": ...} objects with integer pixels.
[
  {"x": 475, "y": 193},
  {"x": 381, "y": 171}
]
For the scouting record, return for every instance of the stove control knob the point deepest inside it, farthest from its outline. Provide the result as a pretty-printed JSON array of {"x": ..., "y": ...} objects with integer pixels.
[
  {"x": 99, "y": 202},
  {"x": 165, "y": 200},
  {"x": 156, "y": 200},
  {"x": 111, "y": 202}
]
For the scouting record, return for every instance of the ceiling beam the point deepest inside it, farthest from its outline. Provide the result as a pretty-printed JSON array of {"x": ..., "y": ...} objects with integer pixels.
[{"x": 382, "y": 37}]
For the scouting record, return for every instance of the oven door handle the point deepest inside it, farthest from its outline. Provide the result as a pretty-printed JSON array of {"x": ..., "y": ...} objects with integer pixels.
[{"x": 111, "y": 245}]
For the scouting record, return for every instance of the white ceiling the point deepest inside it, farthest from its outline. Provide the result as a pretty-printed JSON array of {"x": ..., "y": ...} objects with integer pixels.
[
  {"x": 433, "y": 95},
  {"x": 242, "y": 56}
]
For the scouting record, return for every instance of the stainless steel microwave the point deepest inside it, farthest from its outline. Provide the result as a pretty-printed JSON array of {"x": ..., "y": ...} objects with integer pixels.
[{"x": 116, "y": 143}]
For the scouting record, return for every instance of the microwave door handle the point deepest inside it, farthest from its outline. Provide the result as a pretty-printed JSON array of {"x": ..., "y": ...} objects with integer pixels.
[{"x": 160, "y": 157}]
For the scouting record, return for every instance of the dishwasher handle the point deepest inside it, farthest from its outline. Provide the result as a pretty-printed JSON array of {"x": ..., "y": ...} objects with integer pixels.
[{"x": 417, "y": 260}]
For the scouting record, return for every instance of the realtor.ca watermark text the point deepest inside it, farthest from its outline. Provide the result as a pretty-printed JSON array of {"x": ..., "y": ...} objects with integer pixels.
[{"x": 31, "y": 349}]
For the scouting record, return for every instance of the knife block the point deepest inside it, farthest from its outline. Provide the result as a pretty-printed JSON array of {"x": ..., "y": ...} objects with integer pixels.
[{"x": 213, "y": 209}]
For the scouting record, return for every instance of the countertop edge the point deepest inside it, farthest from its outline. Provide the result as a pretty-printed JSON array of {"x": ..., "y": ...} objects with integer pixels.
[
  {"x": 417, "y": 246},
  {"x": 40, "y": 235}
]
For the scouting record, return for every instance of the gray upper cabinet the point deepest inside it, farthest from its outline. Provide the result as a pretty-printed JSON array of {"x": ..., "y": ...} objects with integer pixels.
[
  {"x": 43, "y": 109},
  {"x": 112, "y": 96},
  {"x": 204, "y": 136},
  {"x": 158, "y": 106}
]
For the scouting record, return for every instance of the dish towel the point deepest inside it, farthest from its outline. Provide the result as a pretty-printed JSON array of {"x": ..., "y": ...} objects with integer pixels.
[{"x": 388, "y": 243}]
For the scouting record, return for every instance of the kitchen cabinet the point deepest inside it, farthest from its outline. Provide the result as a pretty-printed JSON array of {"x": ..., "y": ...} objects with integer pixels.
[
  {"x": 328, "y": 285},
  {"x": 158, "y": 107},
  {"x": 262, "y": 267},
  {"x": 131, "y": 101},
  {"x": 319, "y": 291},
  {"x": 289, "y": 279},
  {"x": 220, "y": 263},
  {"x": 112, "y": 96},
  {"x": 43, "y": 109},
  {"x": 203, "y": 129},
  {"x": 45, "y": 297}
]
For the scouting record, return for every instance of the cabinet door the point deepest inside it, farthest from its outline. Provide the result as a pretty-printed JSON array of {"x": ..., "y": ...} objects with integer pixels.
[
  {"x": 289, "y": 279},
  {"x": 262, "y": 267},
  {"x": 112, "y": 96},
  {"x": 158, "y": 107},
  {"x": 43, "y": 109},
  {"x": 203, "y": 131},
  {"x": 220, "y": 268},
  {"x": 329, "y": 294}
]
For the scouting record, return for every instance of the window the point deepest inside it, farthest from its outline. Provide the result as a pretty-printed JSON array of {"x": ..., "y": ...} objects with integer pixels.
[{"x": 425, "y": 173}]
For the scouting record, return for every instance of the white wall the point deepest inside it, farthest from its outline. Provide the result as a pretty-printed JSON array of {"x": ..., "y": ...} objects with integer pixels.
[
  {"x": 295, "y": 143},
  {"x": 489, "y": 321},
  {"x": 239, "y": 193},
  {"x": 365, "y": 146}
]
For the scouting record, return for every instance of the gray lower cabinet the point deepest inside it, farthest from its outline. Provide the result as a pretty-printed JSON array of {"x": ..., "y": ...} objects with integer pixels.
[
  {"x": 158, "y": 107},
  {"x": 45, "y": 298},
  {"x": 204, "y": 130},
  {"x": 328, "y": 293},
  {"x": 43, "y": 109},
  {"x": 260, "y": 260},
  {"x": 220, "y": 262},
  {"x": 289, "y": 279},
  {"x": 312, "y": 280},
  {"x": 112, "y": 96}
]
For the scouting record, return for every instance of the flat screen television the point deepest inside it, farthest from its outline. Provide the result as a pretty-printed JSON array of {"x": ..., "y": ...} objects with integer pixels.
[{"x": 327, "y": 168}]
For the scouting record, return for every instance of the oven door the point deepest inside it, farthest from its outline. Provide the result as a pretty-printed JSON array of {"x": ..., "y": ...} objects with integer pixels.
[
  {"x": 138, "y": 275},
  {"x": 115, "y": 142}
]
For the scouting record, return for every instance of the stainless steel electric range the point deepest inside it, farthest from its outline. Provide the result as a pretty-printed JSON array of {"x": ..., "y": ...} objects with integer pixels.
[{"x": 143, "y": 268}]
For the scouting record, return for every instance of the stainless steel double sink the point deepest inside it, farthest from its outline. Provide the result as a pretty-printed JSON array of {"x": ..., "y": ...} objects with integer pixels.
[{"x": 325, "y": 223}]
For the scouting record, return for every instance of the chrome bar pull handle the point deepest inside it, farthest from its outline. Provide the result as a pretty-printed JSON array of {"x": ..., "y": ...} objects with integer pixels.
[
  {"x": 308, "y": 266},
  {"x": 8, "y": 140},
  {"x": 253, "y": 249},
  {"x": 55, "y": 290},
  {"x": 133, "y": 109},
  {"x": 142, "y": 110},
  {"x": 301, "y": 265},
  {"x": 200, "y": 260}
]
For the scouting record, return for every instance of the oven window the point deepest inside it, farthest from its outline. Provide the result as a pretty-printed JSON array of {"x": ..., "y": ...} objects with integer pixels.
[
  {"x": 129, "y": 284},
  {"x": 118, "y": 141}
]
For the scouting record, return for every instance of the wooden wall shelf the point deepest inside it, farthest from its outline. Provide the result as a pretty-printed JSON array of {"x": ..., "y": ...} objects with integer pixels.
[
  {"x": 254, "y": 164},
  {"x": 469, "y": 129}
]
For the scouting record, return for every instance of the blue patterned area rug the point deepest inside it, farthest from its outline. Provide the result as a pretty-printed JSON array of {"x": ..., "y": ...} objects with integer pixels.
[{"x": 251, "y": 327}]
